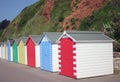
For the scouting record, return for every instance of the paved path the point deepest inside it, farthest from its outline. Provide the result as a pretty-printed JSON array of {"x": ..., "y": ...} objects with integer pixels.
[{"x": 12, "y": 72}]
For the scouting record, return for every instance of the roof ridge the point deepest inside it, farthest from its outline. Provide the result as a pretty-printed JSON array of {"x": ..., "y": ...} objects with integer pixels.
[{"x": 84, "y": 32}]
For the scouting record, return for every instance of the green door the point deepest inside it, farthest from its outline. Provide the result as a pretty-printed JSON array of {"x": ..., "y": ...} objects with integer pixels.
[{"x": 15, "y": 53}]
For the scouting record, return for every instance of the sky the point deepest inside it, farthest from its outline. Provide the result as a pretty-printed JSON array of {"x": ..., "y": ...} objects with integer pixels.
[{"x": 9, "y": 9}]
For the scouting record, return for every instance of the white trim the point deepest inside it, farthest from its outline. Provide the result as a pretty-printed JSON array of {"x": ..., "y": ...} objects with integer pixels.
[
  {"x": 74, "y": 62},
  {"x": 59, "y": 65},
  {"x": 59, "y": 70},
  {"x": 74, "y": 57},
  {"x": 75, "y": 73},
  {"x": 59, "y": 51},
  {"x": 59, "y": 61},
  {"x": 59, "y": 46},
  {"x": 64, "y": 33},
  {"x": 74, "y": 46},
  {"x": 74, "y": 68},
  {"x": 58, "y": 42},
  {"x": 74, "y": 51},
  {"x": 59, "y": 56}
]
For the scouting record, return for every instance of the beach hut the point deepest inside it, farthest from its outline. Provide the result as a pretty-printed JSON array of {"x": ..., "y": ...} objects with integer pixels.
[
  {"x": 2, "y": 49},
  {"x": 9, "y": 47},
  {"x": 15, "y": 50},
  {"x": 85, "y": 54},
  {"x": 22, "y": 56},
  {"x": 5, "y": 51},
  {"x": 33, "y": 51},
  {"x": 49, "y": 51}
]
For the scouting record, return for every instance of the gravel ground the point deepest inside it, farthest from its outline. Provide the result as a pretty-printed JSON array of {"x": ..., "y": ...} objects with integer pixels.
[{"x": 12, "y": 72}]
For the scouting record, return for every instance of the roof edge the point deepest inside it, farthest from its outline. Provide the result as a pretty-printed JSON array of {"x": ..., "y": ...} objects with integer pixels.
[{"x": 65, "y": 33}]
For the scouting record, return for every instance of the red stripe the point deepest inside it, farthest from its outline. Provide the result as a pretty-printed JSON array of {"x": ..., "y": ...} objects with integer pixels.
[
  {"x": 74, "y": 65},
  {"x": 74, "y": 48},
  {"x": 59, "y": 67},
  {"x": 74, "y": 54},
  {"x": 74, "y": 71},
  {"x": 59, "y": 63},
  {"x": 59, "y": 48}
]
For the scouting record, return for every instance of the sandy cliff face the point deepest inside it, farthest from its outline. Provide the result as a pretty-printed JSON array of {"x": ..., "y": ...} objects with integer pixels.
[
  {"x": 80, "y": 10},
  {"x": 47, "y": 9}
]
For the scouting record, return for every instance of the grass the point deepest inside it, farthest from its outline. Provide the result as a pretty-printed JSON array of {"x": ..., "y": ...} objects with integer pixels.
[
  {"x": 30, "y": 20},
  {"x": 60, "y": 10},
  {"x": 35, "y": 24},
  {"x": 100, "y": 17}
]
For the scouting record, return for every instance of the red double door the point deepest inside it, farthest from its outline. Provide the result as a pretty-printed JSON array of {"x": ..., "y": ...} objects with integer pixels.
[{"x": 66, "y": 48}]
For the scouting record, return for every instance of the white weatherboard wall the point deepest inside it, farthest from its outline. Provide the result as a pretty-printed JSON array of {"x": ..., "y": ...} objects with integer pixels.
[
  {"x": 37, "y": 55},
  {"x": 93, "y": 59},
  {"x": 25, "y": 55},
  {"x": 18, "y": 54},
  {"x": 0, "y": 52},
  {"x": 55, "y": 57}
]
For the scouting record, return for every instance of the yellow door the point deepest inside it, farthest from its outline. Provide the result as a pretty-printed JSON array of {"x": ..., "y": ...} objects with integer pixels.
[{"x": 21, "y": 53}]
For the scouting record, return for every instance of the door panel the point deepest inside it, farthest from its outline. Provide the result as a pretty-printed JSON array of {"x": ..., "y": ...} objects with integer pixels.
[
  {"x": 31, "y": 53},
  {"x": 21, "y": 54},
  {"x": 8, "y": 53},
  {"x": 15, "y": 54},
  {"x": 46, "y": 56},
  {"x": 66, "y": 57}
]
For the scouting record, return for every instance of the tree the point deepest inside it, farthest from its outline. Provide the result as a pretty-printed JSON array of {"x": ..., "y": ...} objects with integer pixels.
[{"x": 4, "y": 24}]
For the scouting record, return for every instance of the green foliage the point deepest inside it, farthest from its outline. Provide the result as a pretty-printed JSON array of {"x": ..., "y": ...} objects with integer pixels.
[
  {"x": 60, "y": 10},
  {"x": 29, "y": 12},
  {"x": 106, "y": 19},
  {"x": 30, "y": 20},
  {"x": 100, "y": 17}
]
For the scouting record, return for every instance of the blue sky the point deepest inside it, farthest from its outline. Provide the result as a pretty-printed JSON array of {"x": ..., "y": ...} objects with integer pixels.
[{"x": 9, "y": 9}]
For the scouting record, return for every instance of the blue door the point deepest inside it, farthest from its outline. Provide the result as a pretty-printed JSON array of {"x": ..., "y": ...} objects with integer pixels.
[
  {"x": 8, "y": 52},
  {"x": 46, "y": 56}
]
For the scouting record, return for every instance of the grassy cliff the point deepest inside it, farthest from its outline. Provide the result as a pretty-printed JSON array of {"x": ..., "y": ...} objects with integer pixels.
[{"x": 51, "y": 15}]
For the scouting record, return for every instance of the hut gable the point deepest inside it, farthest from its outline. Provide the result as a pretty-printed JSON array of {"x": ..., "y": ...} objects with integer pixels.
[
  {"x": 50, "y": 36},
  {"x": 23, "y": 40},
  {"x": 34, "y": 38}
]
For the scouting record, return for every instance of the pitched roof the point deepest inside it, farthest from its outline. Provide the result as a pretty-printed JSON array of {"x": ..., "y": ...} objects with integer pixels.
[
  {"x": 11, "y": 41},
  {"x": 35, "y": 38},
  {"x": 16, "y": 41},
  {"x": 53, "y": 36},
  {"x": 24, "y": 39},
  {"x": 87, "y": 36}
]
